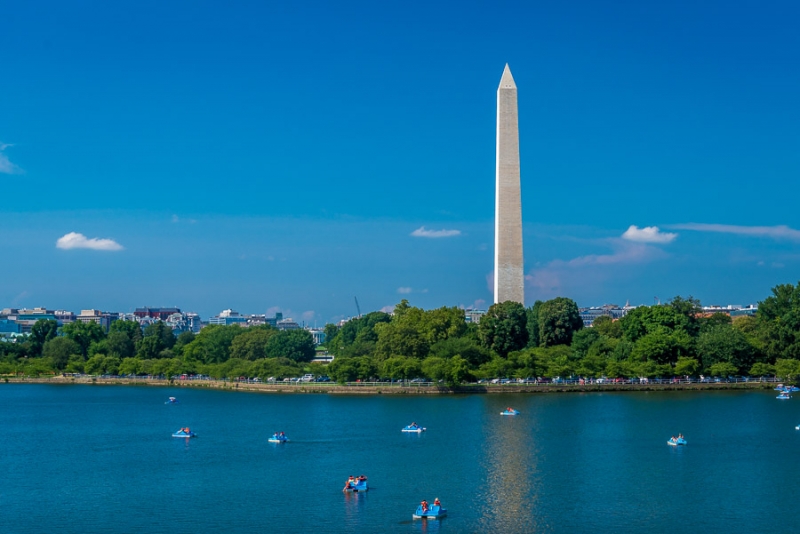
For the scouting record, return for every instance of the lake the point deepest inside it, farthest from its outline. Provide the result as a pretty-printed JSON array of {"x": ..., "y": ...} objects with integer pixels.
[{"x": 101, "y": 459}]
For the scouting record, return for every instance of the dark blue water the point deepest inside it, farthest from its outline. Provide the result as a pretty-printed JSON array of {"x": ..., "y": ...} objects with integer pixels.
[{"x": 77, "y": 459}]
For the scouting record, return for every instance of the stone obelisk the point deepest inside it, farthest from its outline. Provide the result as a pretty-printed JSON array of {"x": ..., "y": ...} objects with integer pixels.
[{"x": 508, "y": 267}]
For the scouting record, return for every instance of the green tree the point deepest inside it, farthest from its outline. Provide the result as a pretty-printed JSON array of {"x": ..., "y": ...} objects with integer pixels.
[
  {"x": 532, "y": 324},
  {"x": 252, "y": 344},
  {"x": 648, "y": 319},
  {"x": 787, "y": 368},
  {"x": 401, "y": 367},
  {"x": 723, "y": 343},
  {"x": 691, "y": 310},
  {"x": 120, "y": 344},
  {"x": 762, "y": 369},
  {"x": 131, "y": 329},
  {"x": 504, "y": 328},
  {"x": 212, "y": 344},
  {"x": 686, "y": 366},
  {"x": 559, "y": 319},
  {"x": 435, "y": 368},
  {"x": 84, "y": 334},
  {"x": 606, "y": 326},
  {"x": 723, "y": 369},
  {"x": 658, "y": 347},
  {"x": 162, "y": 333},
  {"x": 461, "y": 346},
  {"x": 582, "y": 340},
  {"x": 297, "y": 345},
  {"x": 59, "y": 349},
  {"x": 42, "y": 331}
]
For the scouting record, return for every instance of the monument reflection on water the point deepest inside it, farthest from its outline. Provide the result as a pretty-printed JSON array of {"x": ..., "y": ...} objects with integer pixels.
[{"x": 510, "y": 466}]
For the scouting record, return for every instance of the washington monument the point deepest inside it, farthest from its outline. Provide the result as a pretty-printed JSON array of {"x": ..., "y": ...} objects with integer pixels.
[{"x": 508, "y": 266}]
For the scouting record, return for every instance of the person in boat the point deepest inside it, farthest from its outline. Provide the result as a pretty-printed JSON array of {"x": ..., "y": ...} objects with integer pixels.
[
  {"x": 413, "y": 425},
  {"x": 672, "y": 439},
  {"x": 361, "y": 478},
  {"x": 350, "y": 482},
  {"x": 509, "y": 409},
  {"x": 283, "y": 435},
  {"x": 680, "y": 436},
  {"x": 437, "y": 502},
  {"x": 424, "y": 505}
]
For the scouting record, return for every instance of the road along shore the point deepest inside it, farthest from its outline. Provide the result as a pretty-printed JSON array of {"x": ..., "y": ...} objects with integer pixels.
[{"x": 391, "y": 389}]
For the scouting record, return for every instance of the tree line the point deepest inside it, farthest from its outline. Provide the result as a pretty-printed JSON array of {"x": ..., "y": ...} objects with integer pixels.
[
  {"x": 546, "y": 340},
  {"x": 217, "y": 350}
]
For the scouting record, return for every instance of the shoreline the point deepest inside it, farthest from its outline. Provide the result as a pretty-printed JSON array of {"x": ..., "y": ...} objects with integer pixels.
[{"x": 372, "y": 389}]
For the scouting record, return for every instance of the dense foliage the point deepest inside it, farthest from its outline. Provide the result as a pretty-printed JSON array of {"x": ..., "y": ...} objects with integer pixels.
[{"x": 545, "y": 340}]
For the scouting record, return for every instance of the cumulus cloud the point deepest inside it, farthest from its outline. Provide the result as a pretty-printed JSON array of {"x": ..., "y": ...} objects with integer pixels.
[
  {"x": 781, "y": 232},
  {"x": 648, "y": 234},
  {"x": 404, "y": 290},
  {"x": 424, "y": 232},
  {"x": 388, "y": 309},
  {"x": 76, "y": 240},
  {"x": 6, "y": 167}
]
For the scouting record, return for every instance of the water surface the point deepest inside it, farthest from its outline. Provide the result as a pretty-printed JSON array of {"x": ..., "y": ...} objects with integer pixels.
[{"x": 86, "y": 459}]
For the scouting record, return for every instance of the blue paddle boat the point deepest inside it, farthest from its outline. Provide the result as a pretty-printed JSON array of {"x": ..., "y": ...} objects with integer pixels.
[
  {"x": 784, "y": 395},
  {"x": 676, "y": 441},
  {"x": 278, "y": 437},
  {"x": 434, "y": 511},
  {"x": 413, "y": 427},
  {"x": 356, "y": 484},
  {"x": 184, "y": 433},
  {"x": 787, "y": 389},
  {"x": 509, "y": 411},
  {"x": 171, "y": 400}
]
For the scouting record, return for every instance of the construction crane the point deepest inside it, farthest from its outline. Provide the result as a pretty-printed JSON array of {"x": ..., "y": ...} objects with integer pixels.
[{"x": 358, "y": 307}]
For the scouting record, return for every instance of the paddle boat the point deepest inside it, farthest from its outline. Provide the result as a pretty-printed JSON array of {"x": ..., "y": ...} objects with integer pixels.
[
  {"x": 413, "y": 427},
  {"x": 184, "y": 433},
  {"x": 171, "y": 400},
  {"x": 784, "y": 395},
  {"x": 676, "y": 441},
  {"x": 434, "y": 511},
  {"x": 509, "y": 411},
  {"x": 787, "y": 389},
  {"x": 356, "y": 484},
  {"x": 278, "y": 437}
]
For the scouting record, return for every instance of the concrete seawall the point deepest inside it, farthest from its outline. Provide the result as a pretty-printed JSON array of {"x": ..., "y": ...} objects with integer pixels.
[{"x": 337, "y": 389}]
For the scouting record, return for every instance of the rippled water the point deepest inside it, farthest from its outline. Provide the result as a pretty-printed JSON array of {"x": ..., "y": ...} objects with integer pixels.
[{"x": 78, "y": 459}]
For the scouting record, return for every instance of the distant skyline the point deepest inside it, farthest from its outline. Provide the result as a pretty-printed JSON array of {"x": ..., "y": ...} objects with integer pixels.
[{"x": 292, "y": 157}]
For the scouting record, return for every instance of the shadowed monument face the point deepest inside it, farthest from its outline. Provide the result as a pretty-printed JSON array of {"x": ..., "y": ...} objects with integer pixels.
[{"x": 508, "y": 265}]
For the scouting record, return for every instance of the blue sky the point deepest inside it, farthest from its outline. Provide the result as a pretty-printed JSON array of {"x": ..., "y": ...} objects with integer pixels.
[{"x": 272, "y": 156}]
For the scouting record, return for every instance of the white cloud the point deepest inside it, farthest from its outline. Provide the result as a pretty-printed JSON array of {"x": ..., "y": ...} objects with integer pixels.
[
  {"x": 404, "y": 290},
  {"x": 560, "y": 277},
  {"x": 774, "y": 232},
  {"x": 423, "y": 232},
  {"x": 308, "y": 316},
  {"x": 6, "y": 167},
  {"x": 648, "y": 234},
  {"x": 76, "y": 240},
  {"x": 388, "y": 309}
]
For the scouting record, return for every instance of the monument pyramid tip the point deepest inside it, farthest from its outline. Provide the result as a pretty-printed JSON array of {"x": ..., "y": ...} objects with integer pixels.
[{"x": 507, "y": 80}]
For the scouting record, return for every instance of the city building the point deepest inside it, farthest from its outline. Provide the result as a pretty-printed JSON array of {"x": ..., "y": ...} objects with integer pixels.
[
  {"x": 273, "y": 321},
  {"x": 104, "y": 319},
  {"x": 318, "y": 334},
  {"x": 589, "y": 315},
  {"x": 155, "y": 313},
  {"x": 228, "y": 317},
  {"x": 287, "y": 324},
  {"x": 473, "y": 316}
]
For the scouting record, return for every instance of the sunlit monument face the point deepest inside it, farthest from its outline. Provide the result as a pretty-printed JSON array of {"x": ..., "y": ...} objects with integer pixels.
[{"x": 508, "y": 273}]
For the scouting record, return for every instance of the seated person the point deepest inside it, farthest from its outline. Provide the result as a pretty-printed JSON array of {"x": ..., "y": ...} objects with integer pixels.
[
  {"x": 437, "y": 502},
  {"x": 424, "y": 505}
]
